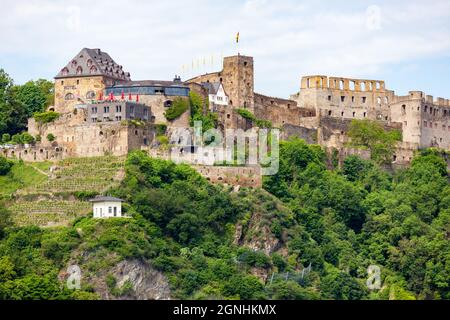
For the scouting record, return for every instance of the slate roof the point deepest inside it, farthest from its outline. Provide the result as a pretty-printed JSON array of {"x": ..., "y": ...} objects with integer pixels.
[
  {"x": 212, "y": 87},
  {"x": 105, "y": 198},
  {"x": 148, "y": 83},
  {"x": 93, "y": 62}
]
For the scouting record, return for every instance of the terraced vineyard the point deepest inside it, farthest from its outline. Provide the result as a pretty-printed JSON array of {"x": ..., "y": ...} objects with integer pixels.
[{"x": 52, "y": 201}]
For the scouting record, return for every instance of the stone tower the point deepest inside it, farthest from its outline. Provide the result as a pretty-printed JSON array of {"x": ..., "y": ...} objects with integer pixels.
[
  {"x": 85, "y": 77},
  {"x": 237, "y": 77}
]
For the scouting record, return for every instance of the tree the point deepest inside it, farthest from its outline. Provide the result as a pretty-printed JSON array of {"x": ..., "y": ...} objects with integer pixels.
[
  {"x": 12, "y": 114},
  {"x": 32, "y": 98},
  {"x": 354, "y": 167},
  {"x": 371, "y": 135}
]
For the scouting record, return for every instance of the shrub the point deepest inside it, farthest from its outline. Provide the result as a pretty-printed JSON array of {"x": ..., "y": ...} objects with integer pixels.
[
  {"x": 5, "y": 166},
  {"x": 45, "y": 117},
  {"x": 6, "y": 137},
  {"x": 179, "y": 106},
  {"x": 51, "y": 137},
  {"x": 160, "y": 129}
]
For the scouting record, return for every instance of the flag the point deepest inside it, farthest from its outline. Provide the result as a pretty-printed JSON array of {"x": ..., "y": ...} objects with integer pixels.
[
  {"x": 101, "y": 96},
  {"x": 123, "y": 95},
  {"x": 111, "y": 96},
  {"x": 129, "y": 96},
  {"x": 137, "y": 98},
  {"x": 237, "y": 37}
]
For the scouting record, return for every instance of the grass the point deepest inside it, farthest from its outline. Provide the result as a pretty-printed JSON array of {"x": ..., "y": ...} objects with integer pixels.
[{"x": 22, "y": 175}]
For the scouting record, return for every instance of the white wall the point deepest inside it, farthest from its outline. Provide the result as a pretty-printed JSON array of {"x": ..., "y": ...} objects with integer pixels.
[{"x": 102, "y": 209}]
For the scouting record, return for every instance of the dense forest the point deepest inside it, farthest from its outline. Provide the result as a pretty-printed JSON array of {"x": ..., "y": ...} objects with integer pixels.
[{"x": 211, "y": 241}]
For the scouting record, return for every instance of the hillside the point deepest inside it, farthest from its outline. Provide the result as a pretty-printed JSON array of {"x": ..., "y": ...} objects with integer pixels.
[
  {"x": 311, "y": 234},
  {"x": 47, "y": 194}
]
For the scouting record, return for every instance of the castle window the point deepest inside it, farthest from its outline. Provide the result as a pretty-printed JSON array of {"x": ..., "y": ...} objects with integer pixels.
[
  {"x": 93, "y": 69},
  {"x": 378, "y": 100},
  {"x": 78, "y": 82},
  {"x": 65, "y": 71},
  {"x": 329, "y": 112},
  {"x": 94, "y": 109},
  {"x": 404, "y": 109},
  {"x": 354, "y": 114},
  {"x": 363, "y": 86},
  {"x": 364, "y": 114},
  {"x": 386, "y": 100},
  {"x": 425, "y": 108},
  {"x": 353, "y": 99},
  {"x": 62, "y": 82},
  {"x": 79, "y": 70},
  {"x": 101, "y": 133},
  {"x": 245, "y": 63},
  {"x": 329, "y": 98},
  {"x": 342, "y": 113},
  {"x": 425, "y": 124},
  {"x": 89, "y": 62},
  {"x": 74, "y": 63},
  {"x": 341, "y": 85},
  {"x": 136, "y": 132},
  {"x": 220, "y": 80},
  {"x": 69, "y": 96},
  {"x": 105, "y": 109},
  {"x": 90, "y": 95},
  {"x": 364, "y": 99},
  {"x": 119, "y": 108},
  {"x": 228, "y": 117},
  {"x": 342, "y": 98},
  {"x": 167, "y": 103}
]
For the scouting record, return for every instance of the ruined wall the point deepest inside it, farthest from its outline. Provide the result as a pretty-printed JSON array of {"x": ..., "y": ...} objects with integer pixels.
[
  {"x": 345, "y": 98},
  {"x": 307, "y": 134},
  {"x": 242, "y": 176},
  {"x": 280, "y": 111}
]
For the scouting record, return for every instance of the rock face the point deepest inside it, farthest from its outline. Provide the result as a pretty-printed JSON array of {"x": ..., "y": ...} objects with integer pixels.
[{"x": 148, "y": 284}]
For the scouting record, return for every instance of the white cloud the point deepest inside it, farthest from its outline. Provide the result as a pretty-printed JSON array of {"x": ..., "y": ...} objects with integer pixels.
[{"x": 288, "y": 38}]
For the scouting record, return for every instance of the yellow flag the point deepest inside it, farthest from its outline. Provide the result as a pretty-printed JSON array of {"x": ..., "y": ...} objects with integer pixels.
[{"x": 237, "y": 37}]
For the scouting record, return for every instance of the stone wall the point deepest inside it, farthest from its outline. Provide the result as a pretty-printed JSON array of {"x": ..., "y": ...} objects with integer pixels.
[
  {"x": 236, "y": 176},
  {"x": 280, "y": 111}
]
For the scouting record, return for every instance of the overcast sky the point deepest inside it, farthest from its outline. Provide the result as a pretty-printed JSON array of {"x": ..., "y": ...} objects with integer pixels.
[{"x": 405, "y": 43}]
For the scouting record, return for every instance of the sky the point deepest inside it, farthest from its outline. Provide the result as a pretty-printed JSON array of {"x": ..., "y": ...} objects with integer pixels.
[{"x": 404, "y": 42}]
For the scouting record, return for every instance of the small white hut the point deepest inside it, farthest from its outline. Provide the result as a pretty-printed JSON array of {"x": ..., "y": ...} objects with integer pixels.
[{"x": 106, "y": 207}]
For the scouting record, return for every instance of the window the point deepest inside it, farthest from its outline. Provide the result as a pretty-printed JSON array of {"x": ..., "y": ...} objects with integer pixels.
[
  {"x": 364, "y": 99},
  {"x": 90, "y": 95},
  {"x": 329, "y": 98},
  {"x": 109, "y": 209},
  {"x": 69, "y": 96},
  {"x": 364, "y": 114},
  {"x": 403, "y": 109},
  {"x": 329, "y": 112},
  {"x": 94, "y": 109},
  {"x": 115, "y": 211},
  {"x": 167, "y": 103},
  {"x": 119, "y": 108},
  {"x": 378, "y": 100},
  {"x": 342, "y": 113},
  {"x": 79, "y": 70},
  {"x": 425, "y": 124},
  {"x": 342, "y": 98},
  {"x": 93, "y": 69},
  {"x": 354, "y": 114},
  {"x": 105, "y": 109},
  {"x": 65, "y": 71}
]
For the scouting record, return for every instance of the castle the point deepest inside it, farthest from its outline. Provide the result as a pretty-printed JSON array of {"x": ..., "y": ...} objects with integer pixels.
[{"x": 102, "y": 111}]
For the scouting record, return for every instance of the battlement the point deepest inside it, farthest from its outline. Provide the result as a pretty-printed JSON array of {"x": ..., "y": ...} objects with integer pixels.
[
  {"x": 337, "y": 83},
  {"x": 438, "y": 102}
]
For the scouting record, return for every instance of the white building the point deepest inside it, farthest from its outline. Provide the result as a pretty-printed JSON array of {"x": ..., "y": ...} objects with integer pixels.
[
  {"x": 107, "y": 207},
  {"x": 216, "y": 93}
]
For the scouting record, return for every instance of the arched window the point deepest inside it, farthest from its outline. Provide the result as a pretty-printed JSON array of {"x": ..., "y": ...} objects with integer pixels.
[
  {"x": 93, "y": 69},
  {"x": 74, "y": 63},
  {"x": 90, "y": 95},
  {"x": 65, "y": 71},
  {"x": 89, "y": 63},
  {"x": 79, "y": 70},
  {"x": 69, "y": 96},
  {"x": 379, "y": 100}
]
